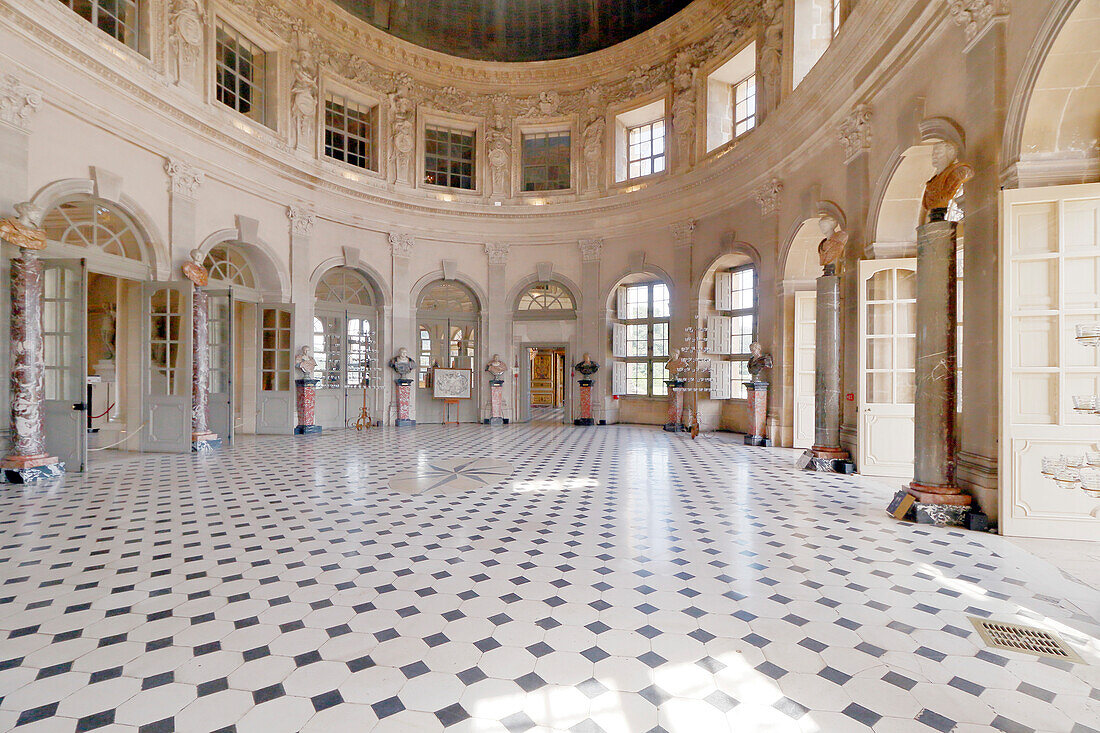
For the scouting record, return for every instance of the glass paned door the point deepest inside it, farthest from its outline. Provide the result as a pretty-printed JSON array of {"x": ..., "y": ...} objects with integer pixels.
[
  {"x": 166, "y": 366},
  {"x": 805, "y": 367},
  {"x": 328, "y": 350},
  {"x": 447, "y": 343},
  {"x": 887, "y": 360},
  {"x": 64, "y": 337},
  {"x": 220, "y": 342},
  {"x": 275, "y": 398}
]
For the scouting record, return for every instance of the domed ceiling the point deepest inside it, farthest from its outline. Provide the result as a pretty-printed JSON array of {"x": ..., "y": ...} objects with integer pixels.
[{"x": 514, "y": 30}]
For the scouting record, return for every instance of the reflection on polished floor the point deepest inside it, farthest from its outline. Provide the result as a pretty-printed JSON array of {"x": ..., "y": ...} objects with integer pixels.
[{"x": 614, "y": 579}]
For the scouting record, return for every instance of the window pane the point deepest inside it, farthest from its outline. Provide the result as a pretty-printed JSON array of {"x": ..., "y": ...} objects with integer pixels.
[
  {"x": 660, "y": 301},
  {"x": 450, "y": 161},
  {"x": 660, "y": 339},
  {"x": 637, "y": 339},
  {"x": 637, "y": 378}
]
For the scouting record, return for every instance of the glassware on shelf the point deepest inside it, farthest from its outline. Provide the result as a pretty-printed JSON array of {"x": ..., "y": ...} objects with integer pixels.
[
  {"x": 1090, "y": 482},
  {"x": 1092, "y": 457},
  {"x": 1067, "y": 478},
  {"x": 1089, "y": 334},
  {"x": 1087, "y": 403},
  {"x": 1051, "y": 465}
]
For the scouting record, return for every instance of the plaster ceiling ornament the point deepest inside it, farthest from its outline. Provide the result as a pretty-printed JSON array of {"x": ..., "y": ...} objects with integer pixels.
[
  {"x": 303, "y": 95},
  {"x": 683, "y": 233},
  {"x": 975, "y": 16},
  {"x": 497, "y": 253},
  {"x": 448, "y": 475},
  {"x": 23, "y": 231},
  {"x": 302, "y": 220},
  {"x": 186, "y": 178},
  {"x": 767, "y": 196},
  {"x": 17, "y": 102},
  {"x": 401, "y": 244},
  {"x": 854, "y": 133},
  {"x": 186, "y": 19},
  {"x": 591, "y": 249},
  {"x": 945, "y": 186}
]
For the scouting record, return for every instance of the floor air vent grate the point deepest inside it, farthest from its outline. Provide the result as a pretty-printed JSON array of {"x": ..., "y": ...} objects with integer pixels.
[{"x": 1026, "y": 639}]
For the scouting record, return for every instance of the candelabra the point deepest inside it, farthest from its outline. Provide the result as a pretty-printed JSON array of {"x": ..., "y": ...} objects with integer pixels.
[
  {"x": 693, "y": 374},
  {"x": 372, "y": 374}
]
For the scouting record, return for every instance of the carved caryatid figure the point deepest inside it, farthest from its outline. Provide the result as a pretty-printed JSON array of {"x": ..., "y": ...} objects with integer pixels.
[
  {"x": 403, "y": 135},
  {"x": 194, "y": 271},
  {"x": 831, "y": 249},
  {"x": 22, "y": 231},
  {"x": 499, "y": 144},
  {"x": 683, "y": 110},
  {"x": 771, "y": 52},
  {"x": 303, "y": 98},
  {"x": 593, "y": 149},
  {"x": 951, "y": 176},
  {"x": 758, "y": 361},
  {"x": 186, "y": 18}
]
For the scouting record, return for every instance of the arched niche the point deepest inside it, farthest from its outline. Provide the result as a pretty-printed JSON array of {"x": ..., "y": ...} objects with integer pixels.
[{"x": 252, "y": 269}]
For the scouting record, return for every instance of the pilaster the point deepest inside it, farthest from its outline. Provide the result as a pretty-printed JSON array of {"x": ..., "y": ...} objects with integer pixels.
[
  {"x": 184, "y": 184},
  {"x": 302, "y": 222},
  {"x": 593, "y": 325},
  {"x": 402, "y": 312},
  {"x": 497, "y": 340}
]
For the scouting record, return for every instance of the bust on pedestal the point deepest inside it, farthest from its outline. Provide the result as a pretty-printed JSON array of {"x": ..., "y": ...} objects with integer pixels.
[
  {"x": 306, "y": 389},
  {"x": 403, "y": 365},
  {"x": 586, "y": 368},
  {"x": 497, "y": 369},
  {"x": 674, "y": 419},
  {"x": 758, "y": 397}
]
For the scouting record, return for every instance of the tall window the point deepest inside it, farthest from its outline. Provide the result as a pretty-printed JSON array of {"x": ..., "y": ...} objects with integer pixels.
[
  {"x": 241, "y": 74},
  {"x": 644, "y": 310},
  {"x": 546, "y": 161},
  {"x": 116, "y": 18},
  {"x": 449, "y": 157},
  {"x": 350, "y": 132},
  {"x": 744, "y": 106},
  {"x": 742, "y": 326},
  {"x": 645, "y": 153}
]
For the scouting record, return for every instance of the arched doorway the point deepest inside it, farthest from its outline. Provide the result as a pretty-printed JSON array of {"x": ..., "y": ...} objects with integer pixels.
[
  {"x": 544, "y": 316},
  {"x": 96, "y": 259},
  {"x": 448, "y": 329},
  {"x": 346, "y": 347},
  {"x": 800, "y": 273}
]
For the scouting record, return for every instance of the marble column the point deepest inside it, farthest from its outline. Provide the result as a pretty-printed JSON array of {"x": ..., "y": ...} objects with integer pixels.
[
  {"x": 758, "y": 414},
  {"x": 674, "y": 419},
  {"x": 201, "y": 437},
  {"x": 586, "y": 403},
  {"x": 404, "y": 403},
  {"x": 306, "y": 394},
  {"x": 826, "y": 454},
  {"x": 934, "y": 411},
  {"x": 28, "y": 460}
]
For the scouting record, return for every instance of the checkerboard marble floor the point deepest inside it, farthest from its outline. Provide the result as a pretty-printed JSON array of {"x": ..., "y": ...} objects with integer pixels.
[{"x": 616, "y": 579}]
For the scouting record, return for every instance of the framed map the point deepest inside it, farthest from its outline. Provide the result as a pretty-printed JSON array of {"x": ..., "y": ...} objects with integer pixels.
[{"x": 452, "y": 383}]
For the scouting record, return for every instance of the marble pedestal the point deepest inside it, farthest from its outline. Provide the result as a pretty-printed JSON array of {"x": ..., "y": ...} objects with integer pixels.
[
  {"x": 404, "y": 403},
  {"x": 586, "y": 403},
  {"x": 306, "y": 393},
  {"x": 674, "y": 420},
  {"x": 496, "y": 401},
  {"x": 758, "y": 414},
  {"x": 202, "y": 440},
  {"x": 28, "y": 460}
]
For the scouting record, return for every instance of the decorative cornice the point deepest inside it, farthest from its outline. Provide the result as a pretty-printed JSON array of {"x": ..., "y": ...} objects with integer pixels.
[
  {"x": 497, "y": 252},
  {"x": 401, "y": 244},
  {"x": 683, "y": 233},
  {"x": 186, "y": 178},
  {"x": 591, "y": 249},
  {"x": 17, "y": 102},
  {"x": 302, "y": 220},
  {"x": 976, "y": 16},
  {"x": 767, "y": 196},
  {"x": 854, "y": 133}
]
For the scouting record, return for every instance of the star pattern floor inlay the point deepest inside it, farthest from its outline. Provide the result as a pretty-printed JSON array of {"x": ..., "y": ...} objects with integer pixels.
[{"x": 616, "y": 579}]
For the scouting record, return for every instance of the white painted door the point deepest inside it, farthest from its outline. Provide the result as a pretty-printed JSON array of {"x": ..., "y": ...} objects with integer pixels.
[
  {"x": 220, "y": 316},
  {"x": 166, "y": 366},
  {"x": 805, "y": 369},
  {"x": 275, "y": 395},
  {"x": 887, "y": 366},
  {"x": 329, "y": 350},
  {"x": 64, "y": 340},
  {"x": 1050, "y": 284}
]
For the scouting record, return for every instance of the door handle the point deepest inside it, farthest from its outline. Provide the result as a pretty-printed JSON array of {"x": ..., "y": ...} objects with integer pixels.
[{"x": 79, "y": 406}]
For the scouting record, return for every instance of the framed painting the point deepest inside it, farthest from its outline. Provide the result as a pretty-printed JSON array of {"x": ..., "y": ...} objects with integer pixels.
[{"x": 452, "y": 383}]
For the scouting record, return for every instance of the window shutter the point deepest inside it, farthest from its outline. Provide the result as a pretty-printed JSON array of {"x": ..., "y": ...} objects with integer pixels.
[
  {"x": 719, "y": 329},
  {"x": 620, "y": 303},
  {"x": 721, "y": 381},
  {"x": 723, "y": 291},
  {"x": 618, "y": 340},
  {"x": 618, "y": 378}
]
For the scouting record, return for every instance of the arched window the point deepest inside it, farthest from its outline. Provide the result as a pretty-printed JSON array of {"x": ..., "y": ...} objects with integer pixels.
[
  {"x": 345, "y": 286},
  {"x": 344, "y": 337},
  {"x": 447, "y": 297},
  {"x": 226, "y": 264},
  {"x": 546, "y": 300},
  {"x": 85, "y": 221}
]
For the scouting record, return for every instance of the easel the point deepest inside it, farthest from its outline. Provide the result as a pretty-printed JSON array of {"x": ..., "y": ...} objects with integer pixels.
[{"x": 447, "y": 402}]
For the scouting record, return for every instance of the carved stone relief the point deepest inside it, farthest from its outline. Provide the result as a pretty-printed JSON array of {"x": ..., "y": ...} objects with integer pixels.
[
  {"x": 854, "y": 133},
  {"x": 17, "y": 102},
  {"x": 186, "y": 19},
  {"x": 303, "y": 96}
]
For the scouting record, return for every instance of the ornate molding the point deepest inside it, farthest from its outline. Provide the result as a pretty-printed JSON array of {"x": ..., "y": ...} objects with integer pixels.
[
  {"x": 186, "y": 178},
  {"x": 497, "y": 252},
  {"x": 854, "y": 133},
  {"x": 767, "y": 196},
  {"x": 302, "y": 220},
  {"x": 17, "y": 102},
  {"x": 976, "y": 16},
  {"x": 401, "y": 244},
  {"x": 591, "y": 249},
  {"x": 683, "y": 233}
]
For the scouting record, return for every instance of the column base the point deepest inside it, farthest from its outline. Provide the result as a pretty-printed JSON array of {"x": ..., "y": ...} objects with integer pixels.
[
  {"x": 811, "y": 461},
  {"x": 672, "y": 427},
  {"x": 941, "y": 515},
  {"x": 204, "y": 442},
  {"x": 404, "y": 423},
  {"x": 27, "y": 469},
  {"x": 495, "y": 421},
  {"x": 758, "y": 440},
  {"x": 585, "y": 421},
  {"x": 307, "y": 429},
  {"x": 939, "y": 495}
]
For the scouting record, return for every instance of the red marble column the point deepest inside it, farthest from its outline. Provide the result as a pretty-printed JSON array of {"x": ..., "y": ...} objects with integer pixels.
[
  {"x": 674, "y": 419},
  {"x": 306, "y": 393},
  {"x": 586, "y": 404},
  {"x": 28, "y": 460},
  {"x": 201, "y": 437},
  {"x": 404, "y": 403},
  {"x": 758, "y": 414},
  {"x": 496, "y": 401}
]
